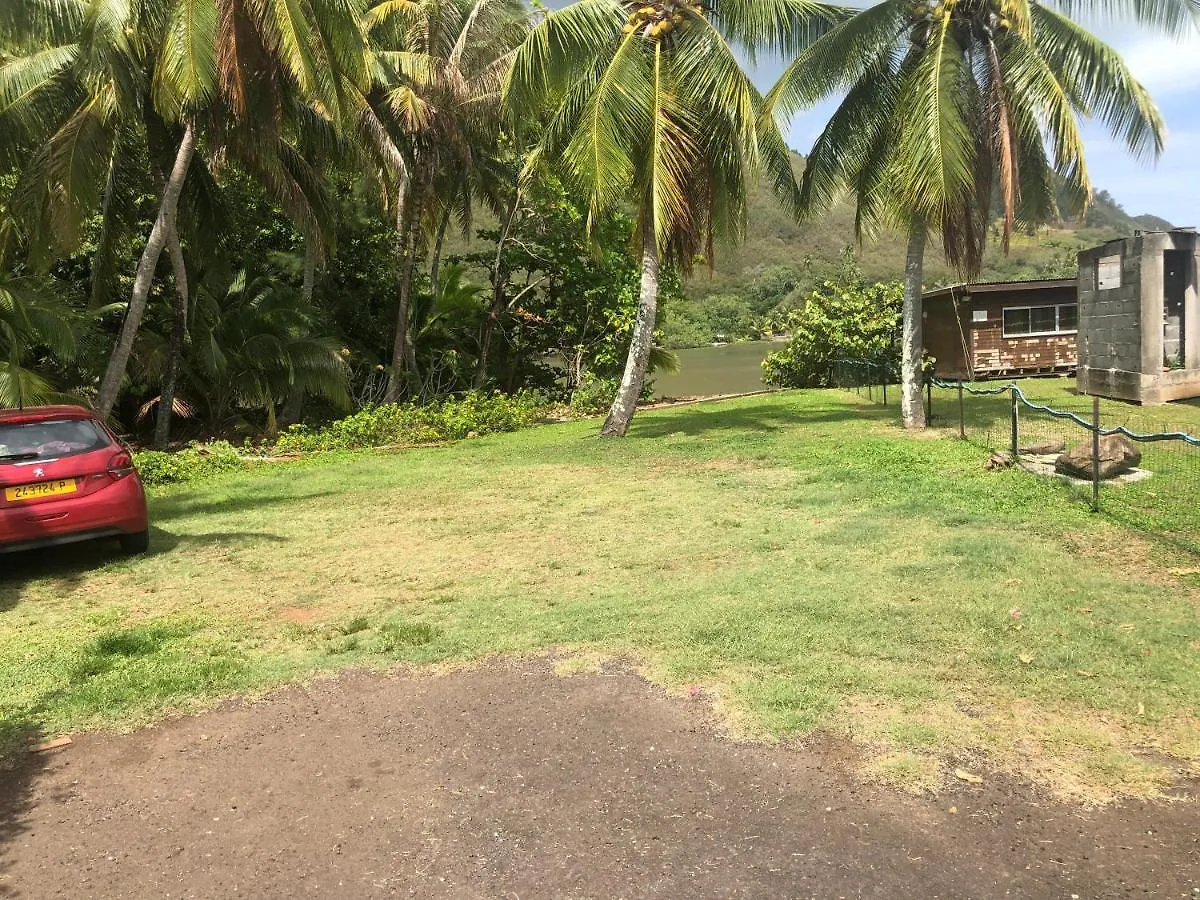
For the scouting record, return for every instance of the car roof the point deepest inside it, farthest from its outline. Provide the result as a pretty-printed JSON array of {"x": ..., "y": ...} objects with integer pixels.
[{"x": 43, "y": 413}]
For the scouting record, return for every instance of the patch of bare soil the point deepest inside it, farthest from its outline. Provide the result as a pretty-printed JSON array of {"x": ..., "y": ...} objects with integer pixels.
[{"x": 510, "y": 781}]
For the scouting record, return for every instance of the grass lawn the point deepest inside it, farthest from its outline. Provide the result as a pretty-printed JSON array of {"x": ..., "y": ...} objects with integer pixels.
[
  {"x": 1164, "y": 504},
  {"x": 797, "y": 556}
]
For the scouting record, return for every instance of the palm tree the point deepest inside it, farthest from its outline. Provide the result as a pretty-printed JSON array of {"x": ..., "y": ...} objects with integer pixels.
[
  {"x": 950, "y": 104},
  {"x": 649, "y": 106},
  {"x": 439, "y": 67},
  {"x": 91, "y": 74},
  {"x": 254, "y": 341},
  {"x": 31, "y": 317}
]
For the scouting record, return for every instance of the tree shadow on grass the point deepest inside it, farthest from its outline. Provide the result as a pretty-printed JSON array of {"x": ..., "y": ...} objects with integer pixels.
[
  {"x": 714, "y": 417},
  {"x": 69, "y": 564},
  {"x": 176, "y": 506}
]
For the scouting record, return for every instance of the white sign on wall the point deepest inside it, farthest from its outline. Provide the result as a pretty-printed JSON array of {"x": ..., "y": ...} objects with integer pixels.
[
  {"x": 979, "y": 315},
  {"x": 1108, "y": 273}
]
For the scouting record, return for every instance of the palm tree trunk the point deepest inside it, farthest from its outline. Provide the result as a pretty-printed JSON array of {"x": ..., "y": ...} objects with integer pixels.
[
  {"x": 912, "y": 403},
  {"x": 435, "y": 267},
  {"x": 164, "y": 224},
  {"x": 308, "y": 285},
  {"x": 395, "y": 382},
  {"x": 403, "y": 349},
  {"x": 499, "y": 282},
  {"x": 179, "y": 316},
  {"x": 634, "y": 379},
  {"x": 293, "y": 408}
]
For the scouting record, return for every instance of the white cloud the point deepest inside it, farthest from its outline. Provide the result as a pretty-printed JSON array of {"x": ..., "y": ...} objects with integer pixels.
[{"x": 1163, "y": 66}]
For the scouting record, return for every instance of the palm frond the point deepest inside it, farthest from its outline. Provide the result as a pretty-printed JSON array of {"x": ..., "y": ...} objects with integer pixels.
[{"x": 1099, "y": 82}]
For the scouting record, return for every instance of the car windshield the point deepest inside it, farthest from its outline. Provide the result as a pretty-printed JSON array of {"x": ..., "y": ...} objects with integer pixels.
[{"x": 51, "y": 439}]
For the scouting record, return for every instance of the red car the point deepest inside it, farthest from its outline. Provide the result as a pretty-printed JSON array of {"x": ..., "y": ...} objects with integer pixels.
[{"x": 65, "y": 477}]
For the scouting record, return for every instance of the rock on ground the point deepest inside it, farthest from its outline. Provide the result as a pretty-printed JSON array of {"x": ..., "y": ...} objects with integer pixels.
[{"x": 1118, "y": 455}]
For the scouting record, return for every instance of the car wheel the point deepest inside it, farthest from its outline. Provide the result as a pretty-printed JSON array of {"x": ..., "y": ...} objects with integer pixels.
[{"x": 139, "y": 542}]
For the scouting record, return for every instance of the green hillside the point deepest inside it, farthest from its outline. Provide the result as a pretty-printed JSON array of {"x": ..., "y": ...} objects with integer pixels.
[{"x": 774, "y": 239}]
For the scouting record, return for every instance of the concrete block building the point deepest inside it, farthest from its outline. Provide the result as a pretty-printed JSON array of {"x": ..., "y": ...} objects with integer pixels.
[{"x": 1139, "y": 318}]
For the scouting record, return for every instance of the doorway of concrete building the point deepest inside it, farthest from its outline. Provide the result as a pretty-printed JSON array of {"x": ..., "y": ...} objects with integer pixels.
[{"x": 1176, "y": 273}]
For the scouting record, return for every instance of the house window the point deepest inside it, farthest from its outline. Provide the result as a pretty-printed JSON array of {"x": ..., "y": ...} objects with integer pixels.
[
  {"x": 1068, "y": 317},
  {"x": 1026, "y": 321}
]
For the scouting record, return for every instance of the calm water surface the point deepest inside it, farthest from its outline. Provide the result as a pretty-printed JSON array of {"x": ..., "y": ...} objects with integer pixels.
[{"x": 731, "y": 369}]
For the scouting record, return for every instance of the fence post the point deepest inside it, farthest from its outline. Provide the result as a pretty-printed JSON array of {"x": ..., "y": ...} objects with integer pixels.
[
  {"x": 1096, "y": 453},
  {"x": 884, "y": 378},
  {"x": 929, "y": 398},
  {"x": 1015, "y": 440},
  {"x": 962, "y": 416}
]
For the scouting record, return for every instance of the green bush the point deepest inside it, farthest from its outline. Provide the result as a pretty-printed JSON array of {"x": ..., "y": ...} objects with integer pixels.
[
  {"x": 391, "y": 424},
  {"x": 193, "y": 463},
  {"x": 842, "y": 319},
  {"x": 594, "y": 394}
]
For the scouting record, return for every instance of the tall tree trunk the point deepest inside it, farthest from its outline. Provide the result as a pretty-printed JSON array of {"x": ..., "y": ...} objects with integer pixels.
[
  {"x": 179, "y": 317},
  {"x": 634, "y": 379},
  {"x": 404, "y": 356},
  {"x": 499, "y": 282},
  {"x": 912, "y": 403},
  {"x": 435, "y": 267},
  {"x": 396, "y": 375},
  {"x": 164, "y": 224},
  {"x": 293, "y": 408},
  {"x": 308, "y": 285}
]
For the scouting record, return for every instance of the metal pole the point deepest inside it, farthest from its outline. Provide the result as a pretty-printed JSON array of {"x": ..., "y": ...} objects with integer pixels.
[
  {"x": 929, "y": 400},
  {"x": 1096, "y": 453},
  {"x": 962, "y": 416},
  {"x": 1014, "y": 446},
  {"x": 884, "y": 380}
]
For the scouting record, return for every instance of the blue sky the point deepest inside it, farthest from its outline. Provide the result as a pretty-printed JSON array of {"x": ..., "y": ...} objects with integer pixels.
[{"x": 1171, "y": 71}]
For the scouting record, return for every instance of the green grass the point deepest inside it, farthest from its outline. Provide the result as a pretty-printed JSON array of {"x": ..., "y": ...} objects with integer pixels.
[
  {"x": 796, "y": 555},
  {"x": 1164, "y": 504}
]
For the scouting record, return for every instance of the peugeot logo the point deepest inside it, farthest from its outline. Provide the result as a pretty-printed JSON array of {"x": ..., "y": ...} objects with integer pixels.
[{"x": 39, "y": 473}]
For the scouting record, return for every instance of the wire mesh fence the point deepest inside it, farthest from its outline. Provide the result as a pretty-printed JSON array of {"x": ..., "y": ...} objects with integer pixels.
[
  {"x": 867, "y": 378},
  {"x": 1138, "y": 464}
]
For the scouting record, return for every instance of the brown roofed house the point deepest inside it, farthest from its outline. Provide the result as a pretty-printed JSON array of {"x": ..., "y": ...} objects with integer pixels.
[{"x": 1002, "y": 329}]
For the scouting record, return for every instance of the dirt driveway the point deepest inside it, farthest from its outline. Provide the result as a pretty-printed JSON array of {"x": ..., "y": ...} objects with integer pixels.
[{"x": 512, "y": 782}]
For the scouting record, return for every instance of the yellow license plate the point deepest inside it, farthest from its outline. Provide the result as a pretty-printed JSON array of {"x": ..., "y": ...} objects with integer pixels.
[{"x": 42, "y": 489}]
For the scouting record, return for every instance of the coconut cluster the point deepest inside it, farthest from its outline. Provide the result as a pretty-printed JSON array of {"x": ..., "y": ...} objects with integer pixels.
[{"x": 656, "y": 22}]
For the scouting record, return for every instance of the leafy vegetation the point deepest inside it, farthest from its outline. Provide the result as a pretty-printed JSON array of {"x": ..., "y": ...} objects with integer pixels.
[
  {"x": 405, "y": 424},
  {"x": 385, "y": 207},
  {"x": 797, "y": 555},
  {"x": 846, "y": 319},
  {"x": 192, "y": 463},
  {"x": 650, "y": 107}
]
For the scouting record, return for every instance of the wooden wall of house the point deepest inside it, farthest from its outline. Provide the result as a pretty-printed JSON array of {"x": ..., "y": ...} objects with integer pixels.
[
  {"x": 943, "y": 339},
  {"x": 994, "y": 354}
]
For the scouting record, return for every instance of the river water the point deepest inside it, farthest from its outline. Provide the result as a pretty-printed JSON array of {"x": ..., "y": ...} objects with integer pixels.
[{"x": 728, "y": 369}]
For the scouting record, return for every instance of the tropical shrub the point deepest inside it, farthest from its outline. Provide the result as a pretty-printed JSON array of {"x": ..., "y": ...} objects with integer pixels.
[
  {"x": 594, "y": 395},
  {"x": 193, "y": 463},
  {"x": 474, "y": 412},
  {"x": 843, "y": 319}
]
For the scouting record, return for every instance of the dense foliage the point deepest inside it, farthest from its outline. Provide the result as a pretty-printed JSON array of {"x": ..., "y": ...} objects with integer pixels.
[
  {"x": 219, "y": 219},
  {"x": 193, "y": 463},
  {"x": 407, "y": 424},
  {"x": 843, "y": 319}
]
